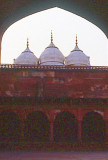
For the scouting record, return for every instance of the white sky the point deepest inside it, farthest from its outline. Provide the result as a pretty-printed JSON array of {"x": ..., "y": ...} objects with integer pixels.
[{"x": 65, "y": 25}]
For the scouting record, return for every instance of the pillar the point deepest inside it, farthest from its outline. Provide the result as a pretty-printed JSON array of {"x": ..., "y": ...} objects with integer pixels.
[
  {"x": 79, "y": 123},
  {"x": 51, "y": 132},
  {"x": 106, "y": 123},
  {"x": 22, "y": 130},
  {"x": 51, "y": 120},
  {"x": 22, "y": 116},
  {"x": 106, "y": 131},
  {"x": 79, "y": 130}
]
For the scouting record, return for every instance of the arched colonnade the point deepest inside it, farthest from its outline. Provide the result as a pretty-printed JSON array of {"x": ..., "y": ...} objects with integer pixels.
[{"x": 52, "y": 126}]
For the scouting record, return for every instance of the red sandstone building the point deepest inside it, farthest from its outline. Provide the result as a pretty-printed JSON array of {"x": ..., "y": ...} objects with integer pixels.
[{"x": 53, "y": 100}]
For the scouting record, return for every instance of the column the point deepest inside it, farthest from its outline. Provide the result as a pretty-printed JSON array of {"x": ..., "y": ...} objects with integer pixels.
[
  {"x": 106, "y": 123},
  {"x": 51, "y": 132},
  {"x": 79, "y": 123},
  {"x": 79, "y": 130},
  {"x": 106, "y": 131},
  {"x": 22, "y": 130}
]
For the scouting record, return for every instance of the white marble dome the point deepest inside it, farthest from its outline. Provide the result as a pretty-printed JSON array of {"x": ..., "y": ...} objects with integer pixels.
[
  {"x": 26, "y": 57},
  {"x": 77, "y": 57},
  {"x": 51, "y": 55}
]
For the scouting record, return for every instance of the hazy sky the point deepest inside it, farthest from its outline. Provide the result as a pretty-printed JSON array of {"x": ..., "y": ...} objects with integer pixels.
[{"x": 65, "y": 25}]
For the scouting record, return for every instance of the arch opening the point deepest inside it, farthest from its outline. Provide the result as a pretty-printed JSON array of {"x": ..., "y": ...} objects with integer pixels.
[
  {"x": 93, "y": 128},
  {"x": 10, "y": 127},
  {"x": 37, "y": 127},
  {"x": 65, "y": 127},
  {"x": 62, "y": 31}
]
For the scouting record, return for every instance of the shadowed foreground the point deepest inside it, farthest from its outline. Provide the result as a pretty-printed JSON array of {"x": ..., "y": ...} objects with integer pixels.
[{"x": 53, "y": 155}]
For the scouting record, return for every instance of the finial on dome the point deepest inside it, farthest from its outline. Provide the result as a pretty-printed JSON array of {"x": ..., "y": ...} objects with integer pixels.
[
  {"x": 76, "y": 40},
  {"x": 27, "y": 43},
  {"x": 51, "y": 37}
]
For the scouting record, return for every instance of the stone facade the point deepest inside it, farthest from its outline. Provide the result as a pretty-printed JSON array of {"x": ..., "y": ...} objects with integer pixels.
[{"x": 53, "y": 103}]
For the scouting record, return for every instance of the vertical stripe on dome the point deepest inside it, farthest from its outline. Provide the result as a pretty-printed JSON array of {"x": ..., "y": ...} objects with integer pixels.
[
  {"x": 51, "y": 37},
  {"x": 27, "y": 43},
  {"x": 76, "y": 40}
]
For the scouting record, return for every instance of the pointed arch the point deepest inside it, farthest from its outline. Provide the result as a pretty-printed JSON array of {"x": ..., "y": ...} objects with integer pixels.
[
  {"x": 93, "y": 127},
  {"x": 65, "y": 127},
  {"x": 37, "y": 127},
  {"x": 10, "y": 127}
]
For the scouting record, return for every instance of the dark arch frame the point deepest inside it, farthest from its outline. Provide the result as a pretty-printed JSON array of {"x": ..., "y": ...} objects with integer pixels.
[
  {"x": 65, "y": 127},
  {"x": 37, "y": 127},
  {"x": 93, "y": 11},
  {"x": 10, "y": 127},
  {"x": 93, "y": 127}
]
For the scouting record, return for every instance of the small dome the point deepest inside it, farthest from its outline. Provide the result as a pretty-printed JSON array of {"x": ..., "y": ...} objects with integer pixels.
[
  {"x": 77, "y": 57},
  {"x": 26, "y": 57},
  {"x": 51, "y": 55}
]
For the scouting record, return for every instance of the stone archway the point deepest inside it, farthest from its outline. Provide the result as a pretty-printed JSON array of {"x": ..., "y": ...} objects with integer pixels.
[
  {"x": 16, "y": 10},
  {"x": 65, "y": 127},
  {"x": 37, "y": 128},
  {"x": 93, "y": 128},
  {"x": 10, "y": 127}
]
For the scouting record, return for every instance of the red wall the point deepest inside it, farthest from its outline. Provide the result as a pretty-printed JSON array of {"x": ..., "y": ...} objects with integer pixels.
[{"x": 50, "y": 83}]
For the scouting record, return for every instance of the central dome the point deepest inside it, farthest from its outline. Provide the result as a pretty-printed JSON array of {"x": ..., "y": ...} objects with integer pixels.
[{"x": 51, "y": 55}]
